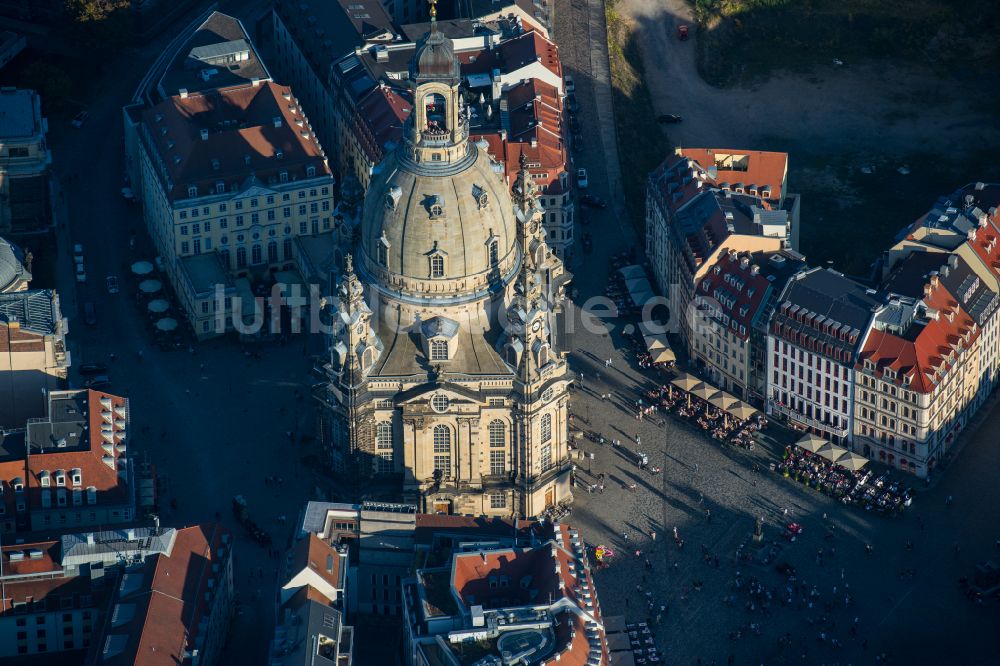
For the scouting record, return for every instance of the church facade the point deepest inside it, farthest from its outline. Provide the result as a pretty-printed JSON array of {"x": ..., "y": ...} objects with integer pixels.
[{"x": 444, "y": 369}]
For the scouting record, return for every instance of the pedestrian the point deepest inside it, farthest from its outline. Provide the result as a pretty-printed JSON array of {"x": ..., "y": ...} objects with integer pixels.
[
  {"x": 652, "y": 535},
  {"x": 696, "y": 467},
  {"x": 625, "y": 536},
  {"x": 708, "y": 515}
]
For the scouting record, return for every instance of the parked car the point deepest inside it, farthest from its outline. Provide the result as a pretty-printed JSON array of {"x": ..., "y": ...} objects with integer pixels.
[
  {"x": 581, "y": 179},
  {"x": 89, "y": 313},
  {"x": 668, "y": 119},
  {"x": 571, "y": 103},
  {"x": 98, "y": 382},
  {"x": 574, "y": 125},
  {"x": 78, "y": 253},
  {"x": 570, "y": 85},
  {"x": 593, "y": 202},
  {"x": 79, "y": 119},
  {"x": 112, "y": 284},
  {"x": 577, "y": 145},
  {"x": 81, "y": 274},
  {"x": 682, "y": 32},
  {"x": 93, "y": 368}
]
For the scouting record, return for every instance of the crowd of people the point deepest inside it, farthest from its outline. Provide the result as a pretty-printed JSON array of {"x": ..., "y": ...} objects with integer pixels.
[
  {"x": 861, "y": 488},
  {"x": 714, "y": 421}
]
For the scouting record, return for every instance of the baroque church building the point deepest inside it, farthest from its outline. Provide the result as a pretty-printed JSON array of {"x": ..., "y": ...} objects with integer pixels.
[{"x": 444, "y": 369}]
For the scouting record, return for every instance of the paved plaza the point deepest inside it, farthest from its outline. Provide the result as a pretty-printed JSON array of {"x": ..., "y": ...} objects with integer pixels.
[{"x": 903, "y": 603}]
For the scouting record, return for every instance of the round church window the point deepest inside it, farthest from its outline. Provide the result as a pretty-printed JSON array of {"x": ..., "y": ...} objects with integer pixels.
[{"x": 439, "y": 403}]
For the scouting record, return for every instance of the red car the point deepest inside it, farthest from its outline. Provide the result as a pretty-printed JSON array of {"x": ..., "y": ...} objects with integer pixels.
[{"x": 682, "y": 32}]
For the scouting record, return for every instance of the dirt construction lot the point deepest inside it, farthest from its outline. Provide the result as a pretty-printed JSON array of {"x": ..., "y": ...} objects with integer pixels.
[{"x": 832, "y": 121}]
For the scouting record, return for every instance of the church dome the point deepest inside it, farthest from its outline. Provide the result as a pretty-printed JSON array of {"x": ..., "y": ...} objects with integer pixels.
[
  {"x": 435, "y": 59},
  {"x": 438, "y": 230}
]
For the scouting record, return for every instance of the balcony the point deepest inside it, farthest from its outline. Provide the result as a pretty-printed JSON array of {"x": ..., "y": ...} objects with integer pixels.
[{"x": 792, "y": 415}]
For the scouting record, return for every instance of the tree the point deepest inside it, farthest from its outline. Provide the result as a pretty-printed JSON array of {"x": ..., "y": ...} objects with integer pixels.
[{"x": 99, "y": 26}]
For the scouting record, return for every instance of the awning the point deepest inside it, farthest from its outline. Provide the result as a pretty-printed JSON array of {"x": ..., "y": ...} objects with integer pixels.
[
  {"x": 150, "y": 286},
  {"x": 703, "y": 391},
  {"x": 851, "y": 461},
  {"x": 831, "y": 451},
  {"x": 142, "y": 268},
  {"x": 166, "y": 324},
  {"x": 664, "y": 356},
  {"x": 632, "y": 272},
  {"x": 654, "y": 342},
  {"x": 742, "y": 410},
  {"x": 686, "y": 382},
  {"x": 811, "y": 443},
  {"x": 158, "y": 306},
  {"x": 723, "y": 400}
]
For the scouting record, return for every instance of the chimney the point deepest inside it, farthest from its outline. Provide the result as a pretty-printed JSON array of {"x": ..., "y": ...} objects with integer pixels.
[
  {"x": 204, "y": 135},
  {"x": 90, "y": 538},
  {"x": 277, "y": 121},
  {"x": 183, "y": 92},
  {"x": 534, "y": 143},
  {"x": 130, "y": 534},
  {"x": 255, "y": 82}
]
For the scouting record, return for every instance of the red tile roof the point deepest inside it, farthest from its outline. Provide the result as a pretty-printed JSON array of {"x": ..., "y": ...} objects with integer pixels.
[
  {"x": 89, "y": 456},
  {"x": 177, "y": 596},
  {"x": 529, "y": 47},
  {"x": 240, "y": 127},
  {"x": 926, "y": 356},
  {"x": 765, "y": 170},
  {"x": 536, "y": 576},
  {"x": 379, "y": 119},
  {"x": 314, "y": 554}
]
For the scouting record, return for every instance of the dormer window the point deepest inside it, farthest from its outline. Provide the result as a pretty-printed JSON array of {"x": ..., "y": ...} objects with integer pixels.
[
  {"x": 439, "y": 350},
  {"x": 310, "y": 172},
  {"x": 44, "y": 479},
  {"x": 382, "y": 249},
  {"x": 437, "y": 266},
  {"x": 77, "y": 477},
  {"x": 60, "y": 478},
  {"x": 192, "y": 192}
]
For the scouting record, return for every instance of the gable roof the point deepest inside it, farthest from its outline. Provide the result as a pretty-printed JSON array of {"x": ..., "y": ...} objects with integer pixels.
[
  {"x": 228, "y": 136},
  {"x": 316, "y": 555}
]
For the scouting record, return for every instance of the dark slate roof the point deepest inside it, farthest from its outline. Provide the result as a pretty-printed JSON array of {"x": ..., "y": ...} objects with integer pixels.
[
  {"x": 915, "y": 271},
  {"x": 830, "y": 297},
  {"x": 219, "y": 35},
  {"x": 327, "y": 30},
  {"x": 35, "y": 310}
]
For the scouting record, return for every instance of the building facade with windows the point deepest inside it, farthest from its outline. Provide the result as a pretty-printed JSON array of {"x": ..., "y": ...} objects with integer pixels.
[
  {"x": 71, "y": 468},
  {"x": 735, "y": 297},
  {"x": 703, "y": 203},
  {"x": 920, "y": 375},
  {"x": 25, "y": 164},
  {"x": 816, "y": 332},
  {"x": 230, "y": 174},
  {"x": 230, "y": 179},
  {"x": 445, "y": 368}
]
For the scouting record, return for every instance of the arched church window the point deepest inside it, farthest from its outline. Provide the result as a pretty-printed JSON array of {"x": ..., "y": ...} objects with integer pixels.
[
  {"x": 437, "y": 266},
  {"x": 383, "y": 254},
  {"x": 494, "y": 253},
  {"x": 442, "y": 451},
  {"x": 498, "y": 433},
  {"x": 546, "y": 427}
]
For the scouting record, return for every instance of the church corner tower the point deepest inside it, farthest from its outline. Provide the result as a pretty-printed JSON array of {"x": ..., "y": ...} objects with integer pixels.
[{"x": 443, "y": 381}]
